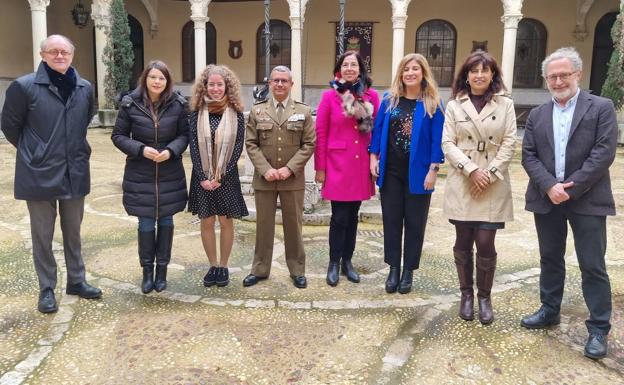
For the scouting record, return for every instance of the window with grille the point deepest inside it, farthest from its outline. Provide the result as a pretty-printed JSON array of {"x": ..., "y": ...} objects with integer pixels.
[
  {"x": 188, "y": 49},
  {"x": 530, "y": 52},
  {"x": 279, "y": 49},
  {"x": 437, "y": 41}
]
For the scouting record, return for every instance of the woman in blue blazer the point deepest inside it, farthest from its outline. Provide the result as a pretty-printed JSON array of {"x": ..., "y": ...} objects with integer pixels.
[{"x": 405, "y": 154}]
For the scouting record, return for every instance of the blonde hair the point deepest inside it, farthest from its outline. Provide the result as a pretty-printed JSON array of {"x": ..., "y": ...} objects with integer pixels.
[
  {"x": 232, "y": 87},
  {"x": 428, "y": 86}
]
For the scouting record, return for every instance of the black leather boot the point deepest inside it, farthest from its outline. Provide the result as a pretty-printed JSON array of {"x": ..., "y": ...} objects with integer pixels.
[
  {"x": 147, "y": 254},
  {"x": 392, "y": 282},
  {"x": 405, "y": 286},
  {"x": 464, "y": 263},
  {"x": 349, "y": 271},
  {"x": 164, "y": 242},
  {"x": 332, "y": 273},
  {"x": 486, "y": 266}
]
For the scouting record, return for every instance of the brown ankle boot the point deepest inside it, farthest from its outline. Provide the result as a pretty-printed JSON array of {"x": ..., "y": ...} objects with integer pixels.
[
  {"x": 464, "y": 264},
  {"x": 486, "y": 266}
]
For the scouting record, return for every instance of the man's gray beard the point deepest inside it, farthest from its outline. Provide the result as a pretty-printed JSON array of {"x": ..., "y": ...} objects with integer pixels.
[{"x": 564, "y": 95}]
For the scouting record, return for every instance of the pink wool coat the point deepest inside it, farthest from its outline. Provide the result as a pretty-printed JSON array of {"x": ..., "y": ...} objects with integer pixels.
[{"x": 342, "y": 150}]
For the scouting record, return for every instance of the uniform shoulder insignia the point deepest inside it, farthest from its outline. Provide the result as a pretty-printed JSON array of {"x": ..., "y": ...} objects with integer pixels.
[
  {"x": 305, "y": 104},
  {"x": 260, "y": 102}
]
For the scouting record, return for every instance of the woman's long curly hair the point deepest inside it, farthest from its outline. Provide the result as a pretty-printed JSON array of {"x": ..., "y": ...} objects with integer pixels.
[{"x": 232, "y": 87}]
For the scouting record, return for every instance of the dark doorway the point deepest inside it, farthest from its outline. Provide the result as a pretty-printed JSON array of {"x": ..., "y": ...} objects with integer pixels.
[
  {"x": 603, "y": 48},
  {"x": 136, "y": 38}
]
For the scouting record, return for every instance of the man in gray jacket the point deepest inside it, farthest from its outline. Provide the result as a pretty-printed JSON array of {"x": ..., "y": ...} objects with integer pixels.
[
  {"x": 45, "y": 116},
  {"x": 568, "y": 147}
]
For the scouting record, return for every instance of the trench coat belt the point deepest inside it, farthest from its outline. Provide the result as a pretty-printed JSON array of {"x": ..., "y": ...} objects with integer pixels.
[{"x": 480, "y": 146}]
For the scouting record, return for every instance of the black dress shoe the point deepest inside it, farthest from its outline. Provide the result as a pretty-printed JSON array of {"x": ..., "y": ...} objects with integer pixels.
[
  {"x": 596, "y": 346},
  {"x": 349, "y": 271},
  {"x": 210, "y": 279},
  {"x": 84, "y": 290},
  {"x": 300, "y": 281},
  {"x": 223, "y": 276},
  {"x": 392, "y": 282},
  {"x": 405, "y": 286},
  {"x": 540, "y": 319},
  {"x": 332, "y": 273},
  {"x": 47, "y": 302},
  {"x": 251, "y": 280}
]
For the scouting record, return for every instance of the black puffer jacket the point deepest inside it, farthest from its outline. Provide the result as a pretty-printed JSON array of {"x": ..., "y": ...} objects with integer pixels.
[{"x": 152, "y": 189}]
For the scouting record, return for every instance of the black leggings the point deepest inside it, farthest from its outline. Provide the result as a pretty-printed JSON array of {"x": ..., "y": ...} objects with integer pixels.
[{"x": 466, "y": 236}]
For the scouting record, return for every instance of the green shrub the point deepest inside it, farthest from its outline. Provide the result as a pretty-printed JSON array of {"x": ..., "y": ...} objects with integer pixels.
[{"x": 613, "y": 87}]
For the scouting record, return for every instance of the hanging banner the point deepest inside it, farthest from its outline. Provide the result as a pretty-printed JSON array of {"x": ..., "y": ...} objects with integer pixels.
[{"x": 358, "y": 36}]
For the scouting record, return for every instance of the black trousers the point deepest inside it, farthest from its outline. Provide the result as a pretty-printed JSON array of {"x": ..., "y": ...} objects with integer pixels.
[
  {"x": 343, "y": 229},
  {"x": 399, "y": 209},
  {"x": 590, "y": 243}
]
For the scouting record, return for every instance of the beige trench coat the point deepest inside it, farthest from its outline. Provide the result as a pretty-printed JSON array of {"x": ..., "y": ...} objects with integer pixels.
[{"x": 483, "y": 140}]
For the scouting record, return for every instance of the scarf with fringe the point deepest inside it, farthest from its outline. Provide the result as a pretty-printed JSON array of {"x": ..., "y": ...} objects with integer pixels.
[{"x": 215, "y": 157}]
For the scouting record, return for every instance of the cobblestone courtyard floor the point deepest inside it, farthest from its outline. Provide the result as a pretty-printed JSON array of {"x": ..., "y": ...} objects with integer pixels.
[{"x": 273, "y": 333}]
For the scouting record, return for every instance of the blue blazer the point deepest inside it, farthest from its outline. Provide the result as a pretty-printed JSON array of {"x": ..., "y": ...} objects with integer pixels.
[{"x": 425, "y": 146}]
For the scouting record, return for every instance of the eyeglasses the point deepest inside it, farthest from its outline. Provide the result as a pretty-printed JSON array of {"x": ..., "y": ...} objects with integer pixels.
[
  {"x": 56, "y": 52},
  {"x": 563, "y": 76},
  {"x": 279, "y": 81}
]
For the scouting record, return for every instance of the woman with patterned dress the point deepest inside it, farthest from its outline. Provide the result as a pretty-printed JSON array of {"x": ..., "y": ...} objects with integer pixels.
[
  {"x": 216, "y": 138},
  {"x": 405, "y": 156},
  {"x": 344, "y": 122}
]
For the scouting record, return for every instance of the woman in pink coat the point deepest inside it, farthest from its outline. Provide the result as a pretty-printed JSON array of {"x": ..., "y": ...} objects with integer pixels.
[{"x": 344, "y": 122}]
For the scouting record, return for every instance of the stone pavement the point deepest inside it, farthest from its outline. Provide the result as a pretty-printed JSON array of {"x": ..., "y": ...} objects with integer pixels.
[{"x": 274, "y": 333}]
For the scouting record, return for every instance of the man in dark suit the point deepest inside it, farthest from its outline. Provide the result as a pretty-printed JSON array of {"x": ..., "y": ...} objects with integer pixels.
[{"x": 569, "y": 144}]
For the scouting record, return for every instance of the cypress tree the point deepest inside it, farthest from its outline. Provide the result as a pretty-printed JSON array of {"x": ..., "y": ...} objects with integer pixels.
[
  {"x": 118, "y": 54},
  {"x": 613, "y": 87}
]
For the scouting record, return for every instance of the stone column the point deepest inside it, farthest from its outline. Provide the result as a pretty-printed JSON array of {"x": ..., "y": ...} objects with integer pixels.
[
  {"x": 100, "y": 13},
  {"x": 39, "y": 27},
  {"x": 399, "y": 18},
  {"x": 199, "y": 15},
  {"x": 582, "y": 9},
  {"x": 297, "y": 12},
  {"x": 511, "y": 17}
]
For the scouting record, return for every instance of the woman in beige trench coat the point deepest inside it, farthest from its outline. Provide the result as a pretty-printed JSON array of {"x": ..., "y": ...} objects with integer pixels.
[{"x": 478, "y": 141}]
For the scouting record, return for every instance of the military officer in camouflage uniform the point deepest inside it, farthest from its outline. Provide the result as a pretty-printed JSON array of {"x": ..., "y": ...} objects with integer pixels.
[{"x": 280, "y": 139}]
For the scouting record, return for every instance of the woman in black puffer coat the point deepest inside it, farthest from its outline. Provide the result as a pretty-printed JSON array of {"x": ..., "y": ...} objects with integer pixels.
[{"x": 152, "y": 129}]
